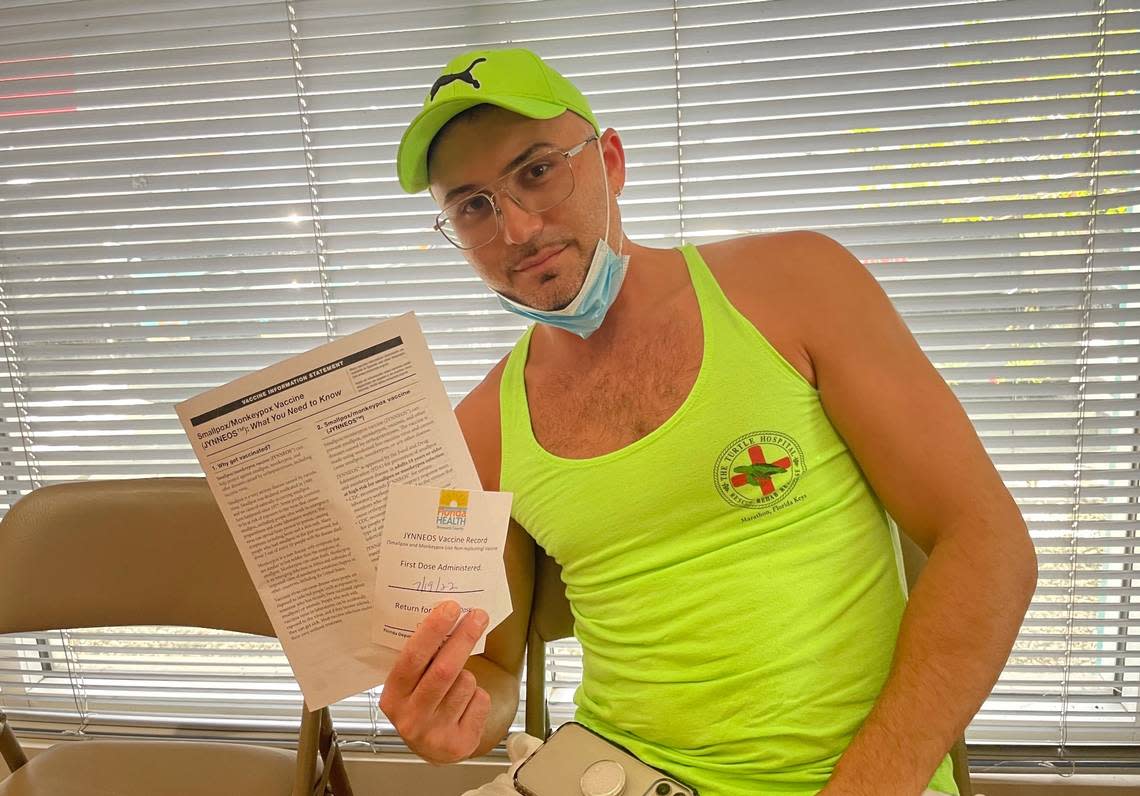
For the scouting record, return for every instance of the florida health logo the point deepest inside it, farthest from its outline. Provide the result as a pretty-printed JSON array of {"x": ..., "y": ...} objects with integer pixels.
[
  {"x": 758, "y": 468},
  {"x": 452, "y": 512}
]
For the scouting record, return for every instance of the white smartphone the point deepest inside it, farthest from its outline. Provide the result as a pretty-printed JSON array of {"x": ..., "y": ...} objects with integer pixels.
[{"x": 576, "y": 761}]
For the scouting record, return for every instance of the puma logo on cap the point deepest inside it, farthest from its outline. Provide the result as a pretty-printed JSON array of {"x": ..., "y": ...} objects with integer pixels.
[{"x": 465, "y": 76}]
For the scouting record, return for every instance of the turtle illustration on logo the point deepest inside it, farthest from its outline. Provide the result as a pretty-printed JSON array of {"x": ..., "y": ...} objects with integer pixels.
[
  {"x": 758, "y": 468},
  {"x": 754, "y": 472}
]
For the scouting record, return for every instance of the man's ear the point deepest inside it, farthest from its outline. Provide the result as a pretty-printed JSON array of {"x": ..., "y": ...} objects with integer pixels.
[{"x": 614, "y": 154}]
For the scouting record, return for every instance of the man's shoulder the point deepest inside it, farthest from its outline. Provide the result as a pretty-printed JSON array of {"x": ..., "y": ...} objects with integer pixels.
[
  {"x": 782, "y": 282},
  {"x": 478, "y": 415},
  {"x": 784, "y": 253},
  {"x": 782, "y": 269}
]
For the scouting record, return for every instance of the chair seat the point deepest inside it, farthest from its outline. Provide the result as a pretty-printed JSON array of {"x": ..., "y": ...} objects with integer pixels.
[{"x": 153, "y": 768}]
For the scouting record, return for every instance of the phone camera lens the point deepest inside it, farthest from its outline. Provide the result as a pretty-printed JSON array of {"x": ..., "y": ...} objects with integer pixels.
[{"x": 663, "y": 789}]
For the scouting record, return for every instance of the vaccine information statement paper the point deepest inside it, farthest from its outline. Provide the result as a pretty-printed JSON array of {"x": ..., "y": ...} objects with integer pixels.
[{"x": 299, "y": 457}]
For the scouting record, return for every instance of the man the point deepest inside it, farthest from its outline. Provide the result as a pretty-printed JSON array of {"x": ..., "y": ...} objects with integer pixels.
[{"x": 709, "y": 441}]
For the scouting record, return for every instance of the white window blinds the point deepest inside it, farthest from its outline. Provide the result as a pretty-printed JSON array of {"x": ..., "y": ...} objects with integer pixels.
[{"x": 191, "y": 190}]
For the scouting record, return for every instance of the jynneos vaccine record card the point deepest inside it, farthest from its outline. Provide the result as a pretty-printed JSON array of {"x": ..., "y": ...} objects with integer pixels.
[{"x": 440, "y": 544}]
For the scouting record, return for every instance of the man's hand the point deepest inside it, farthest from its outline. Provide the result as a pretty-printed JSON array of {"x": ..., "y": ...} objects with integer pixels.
[{"x": 431, "y": 699}]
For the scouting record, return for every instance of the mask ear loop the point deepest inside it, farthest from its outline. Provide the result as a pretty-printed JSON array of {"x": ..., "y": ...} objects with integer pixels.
[{"x": 606, "y": 181}]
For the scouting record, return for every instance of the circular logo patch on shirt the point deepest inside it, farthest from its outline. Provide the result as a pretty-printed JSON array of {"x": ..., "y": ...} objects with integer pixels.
[{"x": 758, "y": 468}]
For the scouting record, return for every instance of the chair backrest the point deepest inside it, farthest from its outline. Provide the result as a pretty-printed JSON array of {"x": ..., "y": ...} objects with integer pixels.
[
  {"x": 550, "y": 614},
  {"x": 551, "y": 620},
  {"x": 148, "y": 551},
  {"x": 143, "y": 551}
]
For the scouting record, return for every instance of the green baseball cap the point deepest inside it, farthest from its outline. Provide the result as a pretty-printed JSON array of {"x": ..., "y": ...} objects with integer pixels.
[{"x": 515, "y": 79}]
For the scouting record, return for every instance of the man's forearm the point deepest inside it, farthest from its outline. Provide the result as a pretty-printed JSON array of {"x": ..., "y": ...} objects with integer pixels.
[
  {"x": 504, "y": 690},
  {"x": 957, "y": 631}
]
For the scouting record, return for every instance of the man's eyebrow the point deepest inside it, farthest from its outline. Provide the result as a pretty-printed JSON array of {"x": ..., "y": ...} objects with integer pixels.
[{"x": 518, "y": 160}]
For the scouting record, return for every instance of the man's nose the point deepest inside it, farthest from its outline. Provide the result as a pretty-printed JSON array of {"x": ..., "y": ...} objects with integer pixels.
[{"x": 519, "y": 225}]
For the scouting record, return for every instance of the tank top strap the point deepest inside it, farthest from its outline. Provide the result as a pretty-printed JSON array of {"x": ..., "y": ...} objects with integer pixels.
[
  {"x": 716, "y": 310},
  {"x": 515, "y": 436},
  {"x": 703, "y": 281},
  {"x": 737, "y": 339},
  {"x": 512, "y": 378}
]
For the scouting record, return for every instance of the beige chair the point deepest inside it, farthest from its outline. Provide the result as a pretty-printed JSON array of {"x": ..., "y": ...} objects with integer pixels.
[
  {"x": 550, "y": 620},
  {"x": 150, "y": 551}
]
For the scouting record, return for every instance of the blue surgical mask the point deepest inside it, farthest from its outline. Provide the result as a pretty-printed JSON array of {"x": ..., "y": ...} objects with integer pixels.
[{"x": 603, "y": 282}]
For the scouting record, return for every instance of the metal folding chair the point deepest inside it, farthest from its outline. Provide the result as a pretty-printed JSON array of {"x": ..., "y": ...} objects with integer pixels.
[{"x": 150, "y": 551}]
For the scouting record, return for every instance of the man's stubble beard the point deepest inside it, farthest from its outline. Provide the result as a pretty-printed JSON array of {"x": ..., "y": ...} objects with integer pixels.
[
  {"x": 568, "y": 293},
  {"x": 581, "y": 266}
]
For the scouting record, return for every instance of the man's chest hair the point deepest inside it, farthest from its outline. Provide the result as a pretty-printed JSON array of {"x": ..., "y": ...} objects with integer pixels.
[{"x": 614, "y": 401}]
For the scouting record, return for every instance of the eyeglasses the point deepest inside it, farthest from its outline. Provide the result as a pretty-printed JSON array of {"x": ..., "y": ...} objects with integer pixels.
[{"x": 537, "y": 185}]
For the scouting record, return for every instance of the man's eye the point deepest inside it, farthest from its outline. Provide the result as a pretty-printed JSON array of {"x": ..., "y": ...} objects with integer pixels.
[
  {"x": 539, "y": 170},
  {"x": 476, "y": 205}
]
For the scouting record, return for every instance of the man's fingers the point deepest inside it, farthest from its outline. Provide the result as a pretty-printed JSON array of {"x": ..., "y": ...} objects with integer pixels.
[
  {"x": 474, "y": 718},
  {"x": 455, "y": 701},
  {"x": 452, "y": 741},
  {"x": 448, "y": 663},
  {"x": 419, "y": 650}
]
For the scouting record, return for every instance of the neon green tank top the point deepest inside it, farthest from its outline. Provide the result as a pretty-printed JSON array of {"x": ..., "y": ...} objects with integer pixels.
[{"x": 736, "y": 585}]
